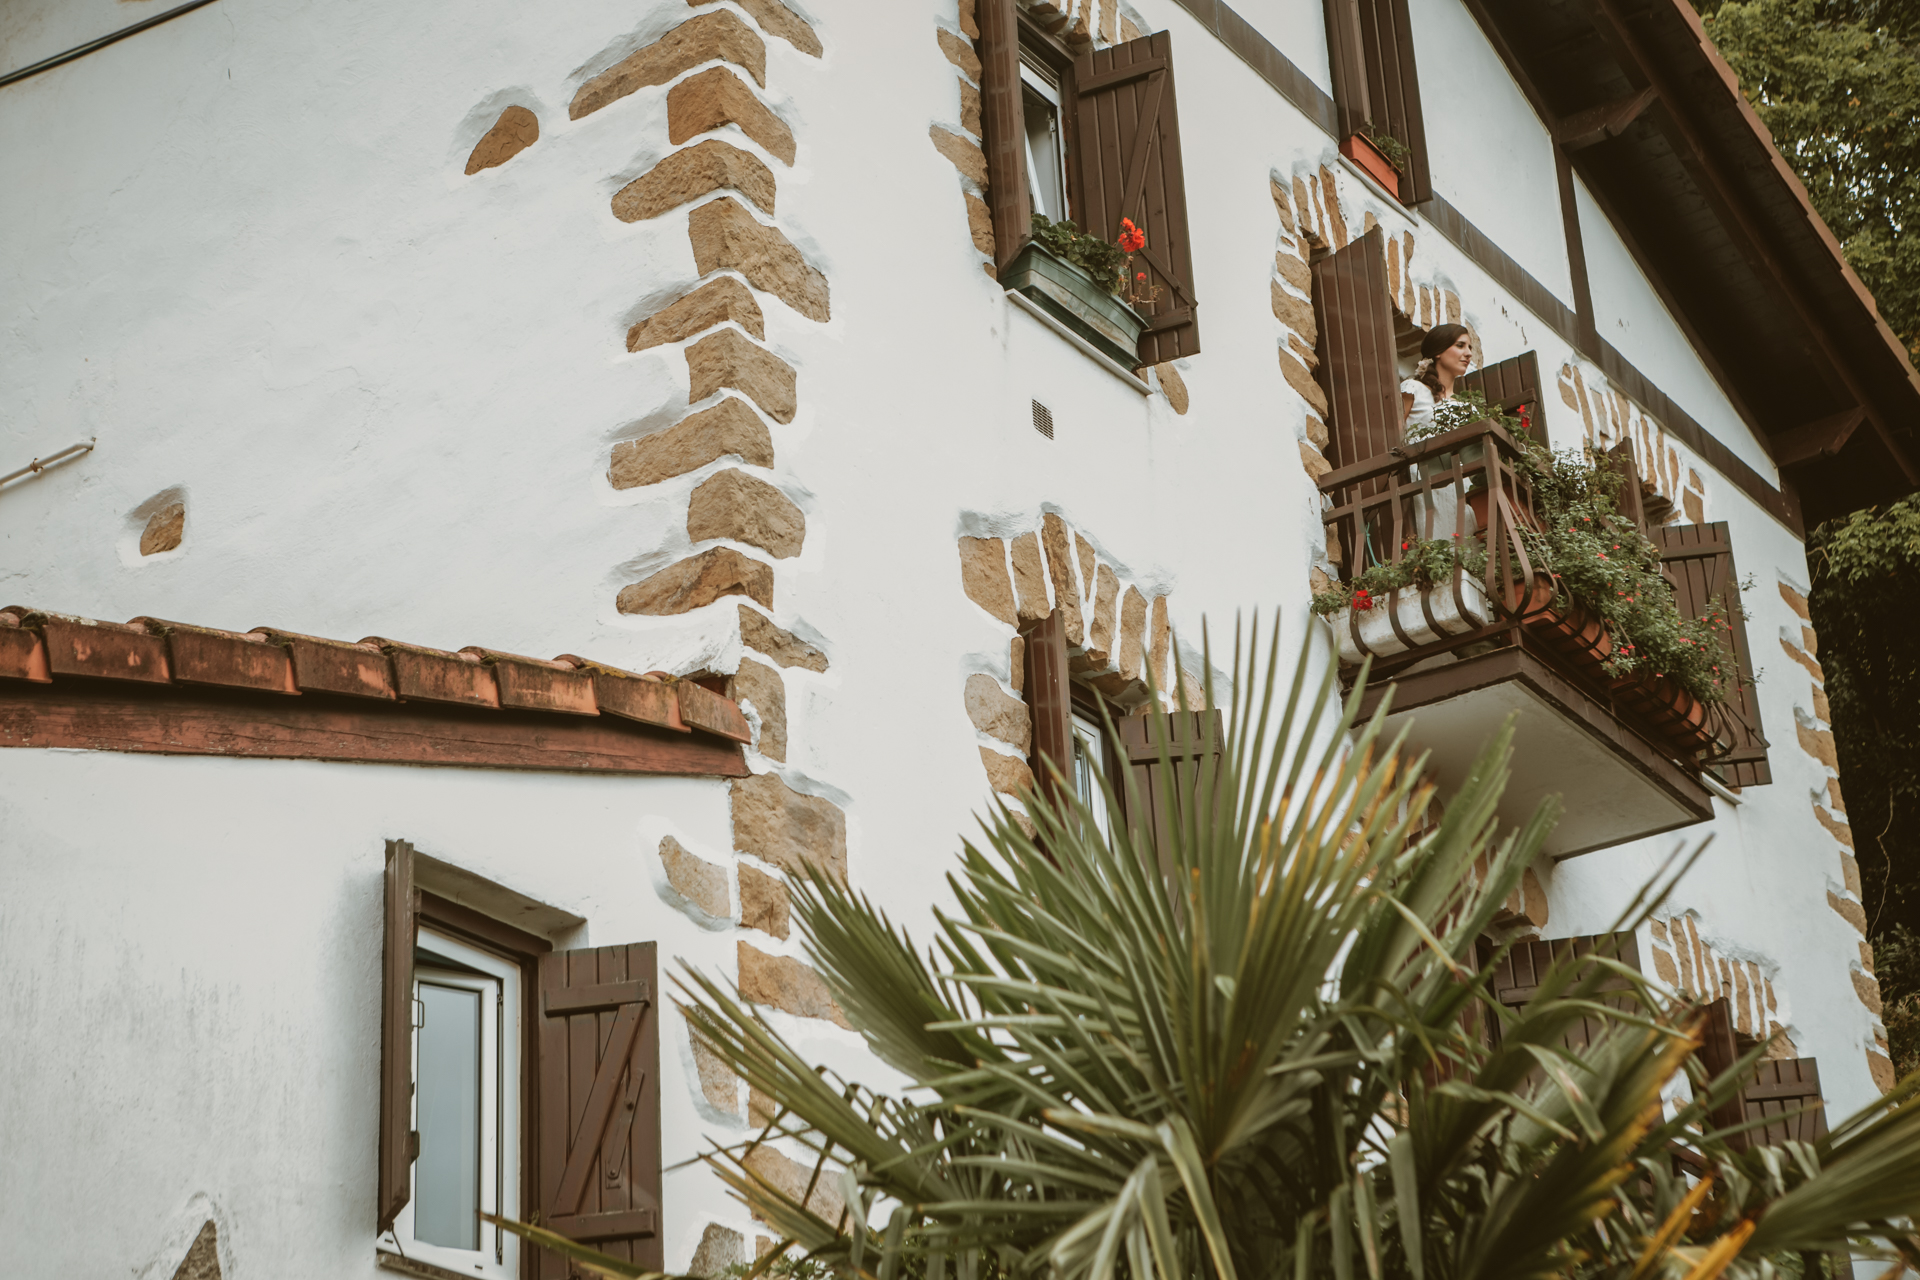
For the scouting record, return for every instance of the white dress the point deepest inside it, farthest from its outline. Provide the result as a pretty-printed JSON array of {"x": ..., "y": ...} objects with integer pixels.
[{"x": 1443, "y": 507}]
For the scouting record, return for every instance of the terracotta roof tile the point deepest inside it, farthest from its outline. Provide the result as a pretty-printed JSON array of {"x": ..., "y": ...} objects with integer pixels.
[{"x": 42, "y": 647}]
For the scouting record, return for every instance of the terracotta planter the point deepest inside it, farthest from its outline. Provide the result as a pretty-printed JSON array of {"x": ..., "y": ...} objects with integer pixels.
[
  {"x": 1576, "y": 635},
  {"x": 1685, "y": 718},
  {"x": 1530, "y": 599},
  {"x": 1369, "y": 158},
  {"x": 1481, "y": 504}
]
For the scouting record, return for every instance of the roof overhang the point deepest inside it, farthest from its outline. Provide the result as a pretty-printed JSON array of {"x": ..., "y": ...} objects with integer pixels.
[{"x": 1655, "y": 124}]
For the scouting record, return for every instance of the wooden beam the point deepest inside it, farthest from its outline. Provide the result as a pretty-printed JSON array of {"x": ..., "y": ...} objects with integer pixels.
[
  {"x": 1597, "y": 124},
  {"x": 195, "y": 721},
  {"x": 1586, "y": 338},
  {"x": 1821, "y": 439}
]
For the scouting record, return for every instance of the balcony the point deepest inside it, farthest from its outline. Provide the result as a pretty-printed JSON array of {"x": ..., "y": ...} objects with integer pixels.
[{"x": 1484, "y": 641}]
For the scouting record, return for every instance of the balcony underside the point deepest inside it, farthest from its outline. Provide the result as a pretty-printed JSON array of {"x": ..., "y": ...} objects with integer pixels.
[{"x": 1614, "y": 785}]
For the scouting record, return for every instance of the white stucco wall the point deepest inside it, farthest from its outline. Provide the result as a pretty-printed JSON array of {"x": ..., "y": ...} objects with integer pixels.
[
  {"x": 245, "y": 257},
  {"x": 1491, "y": 157},
  {"x": 1629, "y": 313},
  {"x": 1297, "y": 28}
]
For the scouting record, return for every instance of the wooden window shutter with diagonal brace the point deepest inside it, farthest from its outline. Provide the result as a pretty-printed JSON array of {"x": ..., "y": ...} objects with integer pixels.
[
  {"x": 1003, "y": 129},
  {"x": 599, "y": 1098},
  {"x": 1513, "y": 385},
  {"x": 1193, "y": 743},
  {"x": 1125, "y": 163},
  {"x": 1698, "y": 561}
]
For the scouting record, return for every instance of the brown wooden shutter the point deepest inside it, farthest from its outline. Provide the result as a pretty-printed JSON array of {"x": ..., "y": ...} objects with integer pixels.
[
  {"x": 599, "y": 1090},
  {"x": 1518, "y": 976},
  {"x": 1777, "y": 1088},
  {"x": 1003, "y": 122},
  {"x": 1698, "y": 560},
  {"x": 1191, "y": 738},
  {"x": 399, "y": 1144},
  {"x": 1126, "y": 164},
  {"x": 1049, "y": 693},
  {"x": 1514, "y": 385},
  {"x": 1370, "y": 52},
  {"x": 1632, "y": 502},
  {"x": 1356, "y": 350}
]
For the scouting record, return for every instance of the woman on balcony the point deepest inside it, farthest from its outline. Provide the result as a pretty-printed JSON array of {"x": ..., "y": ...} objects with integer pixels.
[{"x": 1445, "y": 355}]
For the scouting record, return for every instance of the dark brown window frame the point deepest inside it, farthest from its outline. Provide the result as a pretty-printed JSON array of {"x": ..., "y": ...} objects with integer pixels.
[{"x": 1365, "y": 68}]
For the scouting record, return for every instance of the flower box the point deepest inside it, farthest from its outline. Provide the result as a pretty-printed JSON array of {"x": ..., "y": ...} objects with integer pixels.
[
  {"x": 1375, "y": 164},
  {"x": 1069, "y": 295},
  {"x": 1411, "y": 611}
]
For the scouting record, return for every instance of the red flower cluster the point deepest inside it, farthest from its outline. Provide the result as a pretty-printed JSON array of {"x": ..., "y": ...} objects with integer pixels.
[
  {"x": 1363, "y": 600},
  {"x": 1132, "y": 239}
]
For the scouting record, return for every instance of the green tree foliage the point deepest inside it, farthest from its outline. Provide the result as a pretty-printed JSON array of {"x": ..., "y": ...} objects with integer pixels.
[
  {"x": 1263, "y": 1049},
  {"x": 1866, "y": 609},
  {"x": 1838, "y": 84}
]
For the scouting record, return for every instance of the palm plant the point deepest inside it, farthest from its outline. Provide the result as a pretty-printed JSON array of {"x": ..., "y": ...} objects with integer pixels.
[{"x": 1269, "y": 1050}]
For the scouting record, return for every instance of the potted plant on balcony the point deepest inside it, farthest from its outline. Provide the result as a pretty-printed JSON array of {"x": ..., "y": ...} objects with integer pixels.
[
  {"x": 1086, "y": 283},
  {"x": 1381, "y": 155}
]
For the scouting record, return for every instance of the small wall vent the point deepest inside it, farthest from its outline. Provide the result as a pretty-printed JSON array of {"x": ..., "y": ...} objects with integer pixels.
[{"x": 1043, "y": 419}]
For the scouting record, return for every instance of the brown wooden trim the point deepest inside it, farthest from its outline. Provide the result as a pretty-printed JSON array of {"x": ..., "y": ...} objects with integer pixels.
[
  {"x": 1423, "y": 688},
  {"x": 100, "y": 715},
  {"x": 453, "y": 917},
  {"x": 1587, "y": 338},
  {"x": 1002, "y": 129},
  {"x": 398, "y": 1143},
  {"x": 1822, "y": 439},
  {"x": 1597, "y": 124}
]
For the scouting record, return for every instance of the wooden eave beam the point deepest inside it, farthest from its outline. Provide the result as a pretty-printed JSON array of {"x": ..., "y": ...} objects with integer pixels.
[
  {"x": 1821, "y": 439},
  {"x": 1708, "y": 167},
  {"x": 1597, "y": 124}
]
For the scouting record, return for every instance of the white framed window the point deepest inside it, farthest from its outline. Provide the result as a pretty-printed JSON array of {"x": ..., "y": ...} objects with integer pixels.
[
  {"x": 1046, "y": 148},
  {"x": 466, "y": 1109},
  {"x": 1089, "y": 766}
]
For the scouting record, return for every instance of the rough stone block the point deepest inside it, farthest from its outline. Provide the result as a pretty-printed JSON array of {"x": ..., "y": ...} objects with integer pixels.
[
  {"x": 719, "y": 1249},
  {"x": 1106, "y": 599},
  {"x": 1317, "y": 434},
  {"x": 1795, "y": 601},
  {"x": 515, "y": 131},
  {"x": 1316, "y": 466},
  {"x": 698, "y": 881},
  {"x": 983, "y": 576},
  {"x": 778, "y": 20},
  {"x": 1294, "y": 271},
  {"x": 757, "y": 631},
  {"x": 703, "y": 38},
  {"x": 1030, "y": 578},
  {"x": 1336, "y": 217},
  {"x": 731, "y": 359},
  {"x": 164, "y": 530},
  {"x": 996, "y": 714},
  {"x": 960, "y": 53},
  {"x": 1083, "y": 551},
  {"x": 789, "y": 985},
  {"x": 1868, "y": 989},
  {"x": 786, "y": 829},
  {"x": 1295, "y": 313},
  {"x": 733, "y": 504},
  {"x": 1302, "y": 382},
  {"x": 1173, "y": 386},
  {"x": 1008, "y": 774},
  {"x": 1855, "y": 914},
  {"x": 1017, "y": 659},
  {"x": 718, "y": 1083},
  {"x": 1066, "y": 593},
  {"x": 1813, "y": 667},
  {"x": 726, "y": 237},
  {"x": 970, "y": 109},
  {"x": 979, "y": 223},
  {"x": 1281, "y": 204},
  {"x": 690, "y": 173},
  {"x": 1129, "y": 30},
  {"x": 792, "y": 1177},
  {"x": 729, "y": 427},
  {"x": 717, "y": 98},
  {"x": 1161, "y": 644},
  {"x": 1817, "y": 743},
  {"x": 1663, "y": 968},
  {"x": 1822, "y": 709},
  {"x": 1881, "y": 1068},
  {"x": 1133, "y": 633},
  {"x": 1838, "y": 830},
  {"x": 699, "y": 581},
  {"x": 965, "y": 156},
  {"x": 969, "y": 23},
  {"x": 763, "y": 902},
  {"x": 203, "y": 1255},
  {"x": 714, "y": 302},
  {"x": 761, "y": 685}
]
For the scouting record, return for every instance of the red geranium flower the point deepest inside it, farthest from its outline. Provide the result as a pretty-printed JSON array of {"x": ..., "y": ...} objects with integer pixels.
[
  {"x": 1363, "y": 600},
  {"x": 1132, "y": 239}
]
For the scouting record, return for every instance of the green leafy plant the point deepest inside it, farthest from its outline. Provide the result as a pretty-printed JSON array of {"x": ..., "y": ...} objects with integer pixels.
[
  {"x": 1423, "y": 562},
  {"x": 1397, "y": 153},
  {"x": 1259, "y": 1046},
  {"x": 1105, "y": 261}
]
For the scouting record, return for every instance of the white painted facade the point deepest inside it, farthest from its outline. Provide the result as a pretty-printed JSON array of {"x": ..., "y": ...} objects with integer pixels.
[{"x": 242, "y": 255}]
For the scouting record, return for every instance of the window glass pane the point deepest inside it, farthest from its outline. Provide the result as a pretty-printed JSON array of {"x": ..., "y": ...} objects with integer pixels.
[
  {"x": 1044, "y": 165},
  {"x": 1089, "y": 763},
  {"x": 446, "y": 1192}
]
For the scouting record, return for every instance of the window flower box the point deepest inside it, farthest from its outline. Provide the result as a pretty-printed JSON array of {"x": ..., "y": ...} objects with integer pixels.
[
  {"x": 1071, "y": 296},
  {"x": 1370, "y": 158}
]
